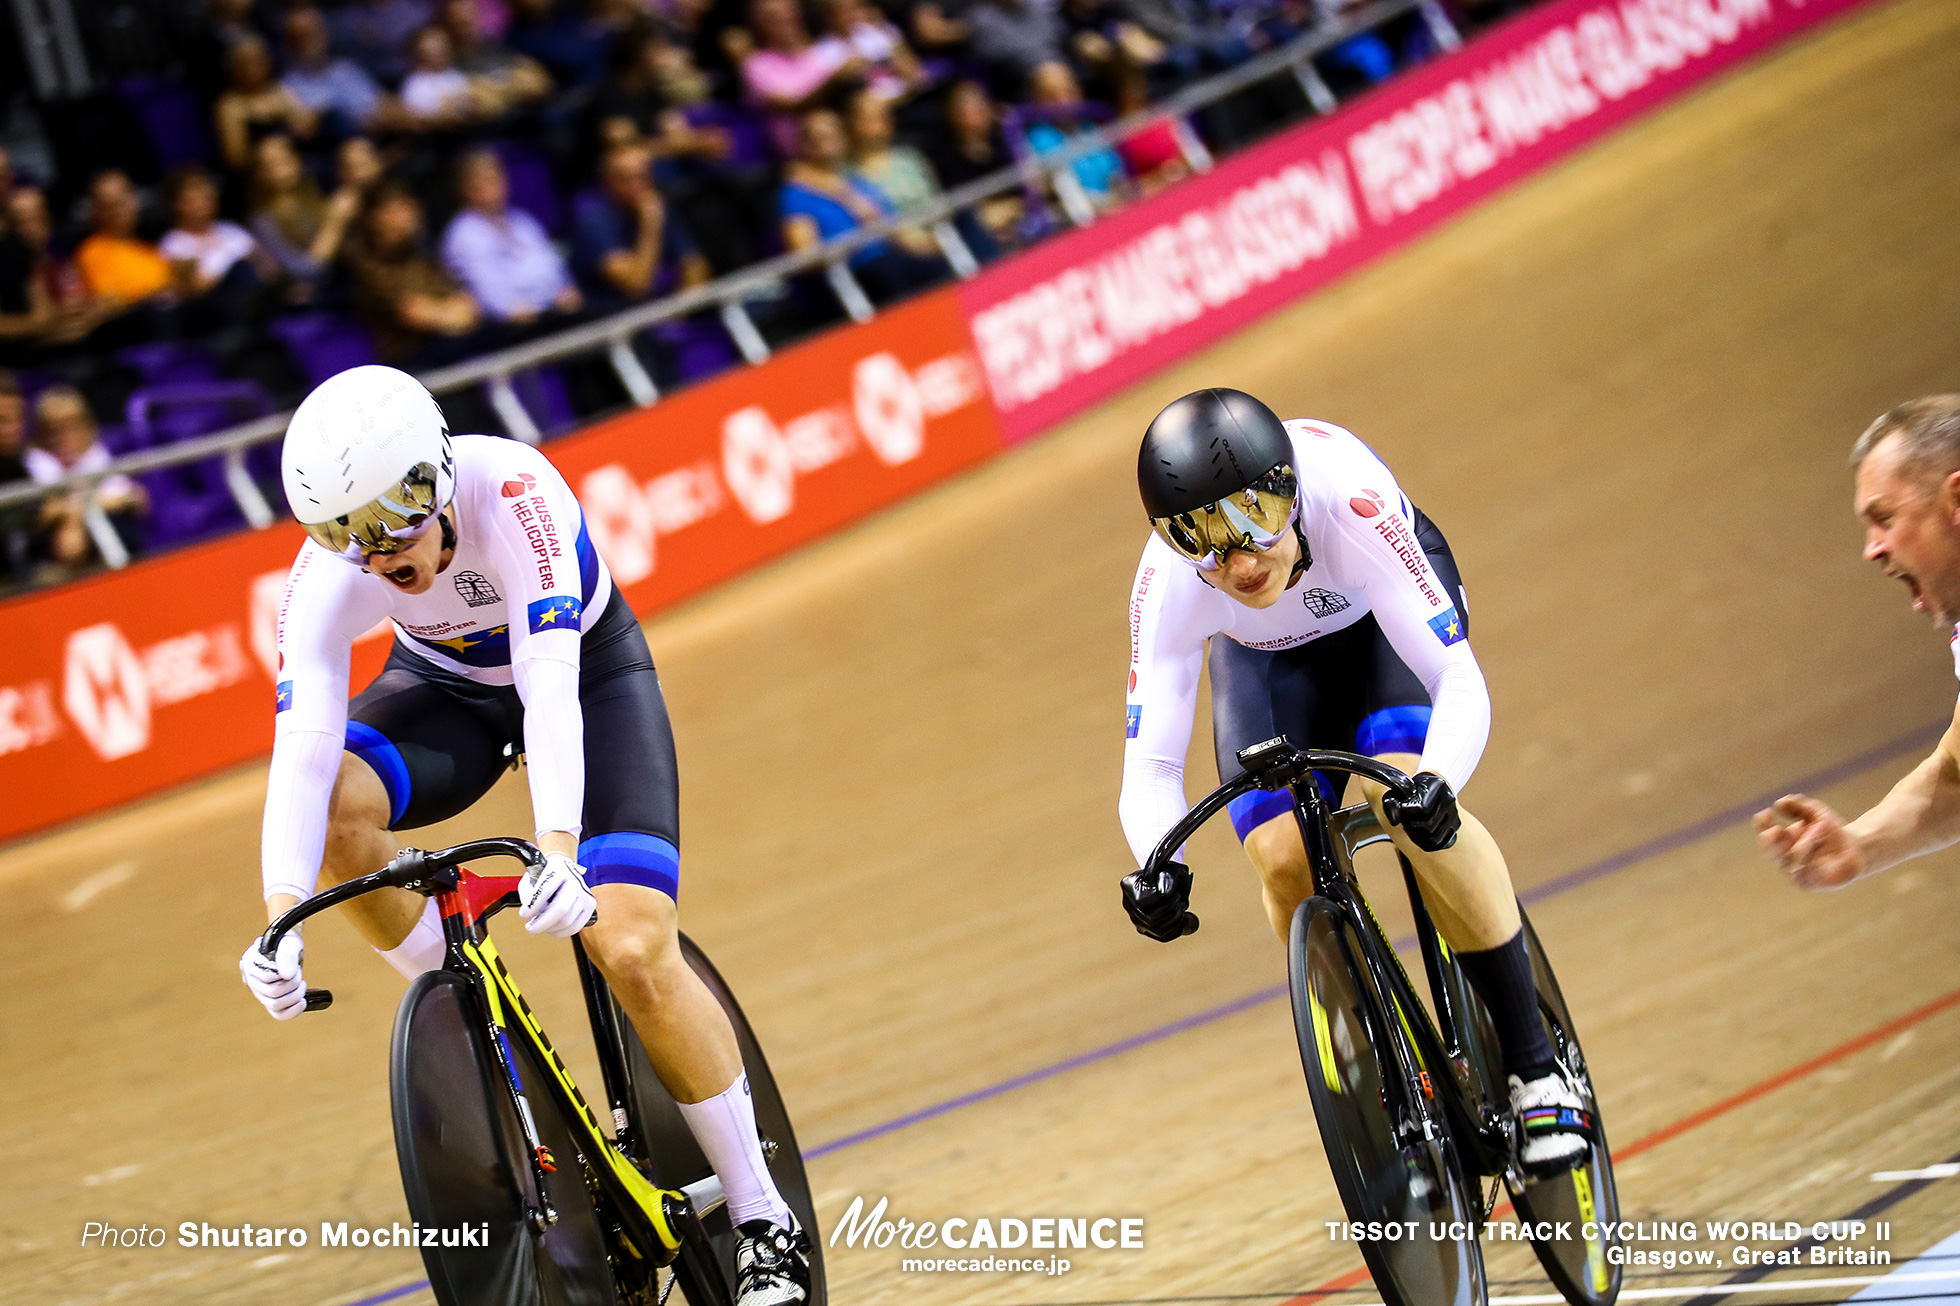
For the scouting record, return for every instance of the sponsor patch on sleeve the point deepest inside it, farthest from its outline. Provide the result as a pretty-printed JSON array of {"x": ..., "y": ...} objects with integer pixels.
[
  {"x": 1133, "y": 719},
  {"x": 1447, "y": 625},
  {"x": 560, "y": 612},
  {"x": 283, "y": 696}
]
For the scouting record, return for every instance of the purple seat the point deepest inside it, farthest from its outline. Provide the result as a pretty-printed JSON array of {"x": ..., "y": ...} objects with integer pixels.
[
  {"x": 699, "y": 346},
  {"x": 171, "y": 362},
  {"x": 177, "y": 125},
  {"x": 323, "y": 344},
  {"x": 542, "y": 392},
  {"x": 531, "y": 185},
  {"x": 191, "y": 501}
]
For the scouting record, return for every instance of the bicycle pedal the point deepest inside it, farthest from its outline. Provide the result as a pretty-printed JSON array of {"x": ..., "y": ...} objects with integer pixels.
[{"x": 546, "y": 1162}]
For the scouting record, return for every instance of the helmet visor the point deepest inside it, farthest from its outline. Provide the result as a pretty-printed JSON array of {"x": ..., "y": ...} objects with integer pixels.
[
  {"x": 388, "y": 524},
  {"x": 1253, "y": 518}
]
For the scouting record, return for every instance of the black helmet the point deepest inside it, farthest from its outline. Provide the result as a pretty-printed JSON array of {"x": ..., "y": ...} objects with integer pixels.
[{"x": 1216, "y": 473}]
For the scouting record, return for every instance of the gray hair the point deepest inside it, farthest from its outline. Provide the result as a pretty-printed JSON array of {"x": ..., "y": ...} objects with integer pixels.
[{"x": 1928, "y": 431}]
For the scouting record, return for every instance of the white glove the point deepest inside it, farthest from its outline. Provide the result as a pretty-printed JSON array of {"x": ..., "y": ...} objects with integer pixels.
[
  {"x": 555, "y": 900},
  {"x": 276, "y": 980}
]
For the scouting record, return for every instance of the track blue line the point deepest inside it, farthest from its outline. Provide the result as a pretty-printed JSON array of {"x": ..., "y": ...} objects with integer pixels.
[
  {"x": 1680, "y": 838},
  {"x": 1923, "y": 737},
  {"x": 391, "y": 1294}
]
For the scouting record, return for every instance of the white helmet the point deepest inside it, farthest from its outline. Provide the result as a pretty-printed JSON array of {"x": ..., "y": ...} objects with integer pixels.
[{"x": 367, "y": 462}]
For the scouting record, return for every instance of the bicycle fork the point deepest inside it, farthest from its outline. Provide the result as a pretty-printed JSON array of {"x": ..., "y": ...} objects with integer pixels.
[{"x": 542, "y": 1162}]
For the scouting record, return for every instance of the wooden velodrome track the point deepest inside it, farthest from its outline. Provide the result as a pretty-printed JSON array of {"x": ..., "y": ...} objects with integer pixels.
[{"x": 1626, "y": 391}]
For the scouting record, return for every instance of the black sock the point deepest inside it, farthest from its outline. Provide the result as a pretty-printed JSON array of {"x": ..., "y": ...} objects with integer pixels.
[{"x": 1502, "y": 978}]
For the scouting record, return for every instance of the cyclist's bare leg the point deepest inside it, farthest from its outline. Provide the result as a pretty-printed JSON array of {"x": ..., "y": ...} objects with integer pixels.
[
  {"x": 1467, "y": 887},
  {"x": 636, "y": 945},
  {"x": 359, "y": 841}
]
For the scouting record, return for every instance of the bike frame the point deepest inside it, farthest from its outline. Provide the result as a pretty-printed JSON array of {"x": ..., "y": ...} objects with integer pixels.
[
  {"x": 653, "y": 1222},
  {"x": 1332, "y": 838}
]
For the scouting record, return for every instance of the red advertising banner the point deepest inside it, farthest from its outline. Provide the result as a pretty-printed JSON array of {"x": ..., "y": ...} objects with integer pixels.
[
  {"x": 128, "y": 682},
  {"x": 707, "y": 484},
  {"x": 1085, "y": 315}
]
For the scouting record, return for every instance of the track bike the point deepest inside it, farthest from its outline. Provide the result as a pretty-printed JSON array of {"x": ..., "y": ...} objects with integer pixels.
[
  {"x": 494, "y": 1136},
  {"x": 1415, "y": 1112}
]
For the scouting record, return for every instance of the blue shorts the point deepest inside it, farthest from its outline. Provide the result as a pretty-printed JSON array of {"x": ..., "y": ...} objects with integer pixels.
[
  {"x": 1348, "y": 690},
  {"x": 439, "y": 742}
]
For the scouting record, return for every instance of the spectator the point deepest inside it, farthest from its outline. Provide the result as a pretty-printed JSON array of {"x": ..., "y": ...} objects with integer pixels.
[
  {"x": 114, "y": 264},
  {"x": 300, "y": 230},
  {"x": 504, "y": 79},
  {"x": 1012, "y": 38},
  {"x": 375, "y": 34},
  {"x": 501, "y": 254},
  {"x": 1099, "y": 172},
  {"x": 66, "y": 444},
  {"x": 254, "y": 104},
  {"x": 899, "y": 171},
  {"x": 906, "y": 178},
  {"x": 17, "y": 522},
  {"x": 938, "y": 28},
  {"x": 435, "y": 94},
  {"x": 43, "y": 299},
  {"x": 820, "y": 201},
  {"x": 223, "y": 24},
  {"x": 1103, "y": 36},
  {"x": 1153, "y": 155},
  {"x": 569, "y": 45},
  {"x": 638, "y": 99},
  {"x": 789, "y": 72},
  {"x": 419, "y": 315},
  {"x": 625, "y": 245},
  {"x": 339, "y": 91},
  {"x": 357, "y": 165},
  {"x": 891, "y": 69},
  {"x": 206, "y": 252}
]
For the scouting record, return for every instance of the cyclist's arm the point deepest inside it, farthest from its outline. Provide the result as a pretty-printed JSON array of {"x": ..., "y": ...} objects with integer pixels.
[
  {"x": 1920, "y": 815},
  {"x": 1167, "y": 653},
  {"x": 546, "y": 615},
  {"x": 1406, "y": 596},
  {"x": 326, "y": 608}
]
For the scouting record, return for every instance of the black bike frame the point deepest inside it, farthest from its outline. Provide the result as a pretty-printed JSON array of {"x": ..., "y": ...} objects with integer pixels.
[{"x": 1474, "y": 1123}]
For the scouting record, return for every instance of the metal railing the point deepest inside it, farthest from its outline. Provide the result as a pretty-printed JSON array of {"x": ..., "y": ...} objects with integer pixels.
[{"x": 727, "y": 295}]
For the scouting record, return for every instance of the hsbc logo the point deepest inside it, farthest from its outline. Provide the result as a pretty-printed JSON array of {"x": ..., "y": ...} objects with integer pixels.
[
  {"x": 761, "y": 458},
  {"x": 105, "y": 691}
]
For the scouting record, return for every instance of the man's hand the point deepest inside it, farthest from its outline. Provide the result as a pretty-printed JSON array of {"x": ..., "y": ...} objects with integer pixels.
[
  {"x": 1810, "y": 842},
  {"x": 276, "y": 981},
  {"x": 554, "y": 900},
  {"x": 1428, "y": 815},
  {"x": 1156, "y": 905}
]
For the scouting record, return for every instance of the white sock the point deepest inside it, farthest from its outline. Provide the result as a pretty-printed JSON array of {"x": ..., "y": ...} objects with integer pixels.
[
  {"x": 724, "y": 1125},
  {"x": 424, "y": 947}
]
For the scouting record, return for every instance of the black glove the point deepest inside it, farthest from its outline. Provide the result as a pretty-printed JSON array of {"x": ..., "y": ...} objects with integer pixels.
[
  {"x": 1428, "y": 814},
  {"x": 1157, "y": 904}
]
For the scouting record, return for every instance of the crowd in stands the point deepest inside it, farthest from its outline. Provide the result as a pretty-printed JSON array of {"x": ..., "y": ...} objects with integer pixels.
[{"x": 419, "y": 181}]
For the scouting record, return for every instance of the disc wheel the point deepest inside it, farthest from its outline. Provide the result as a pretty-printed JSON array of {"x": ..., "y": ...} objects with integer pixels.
[
  {"x": 677, "y": 1160},
  {"x": 1577, "y": 1266},
  {"x": 1384, "y": 1174},
  {"x": 464, "y": 1164}
]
